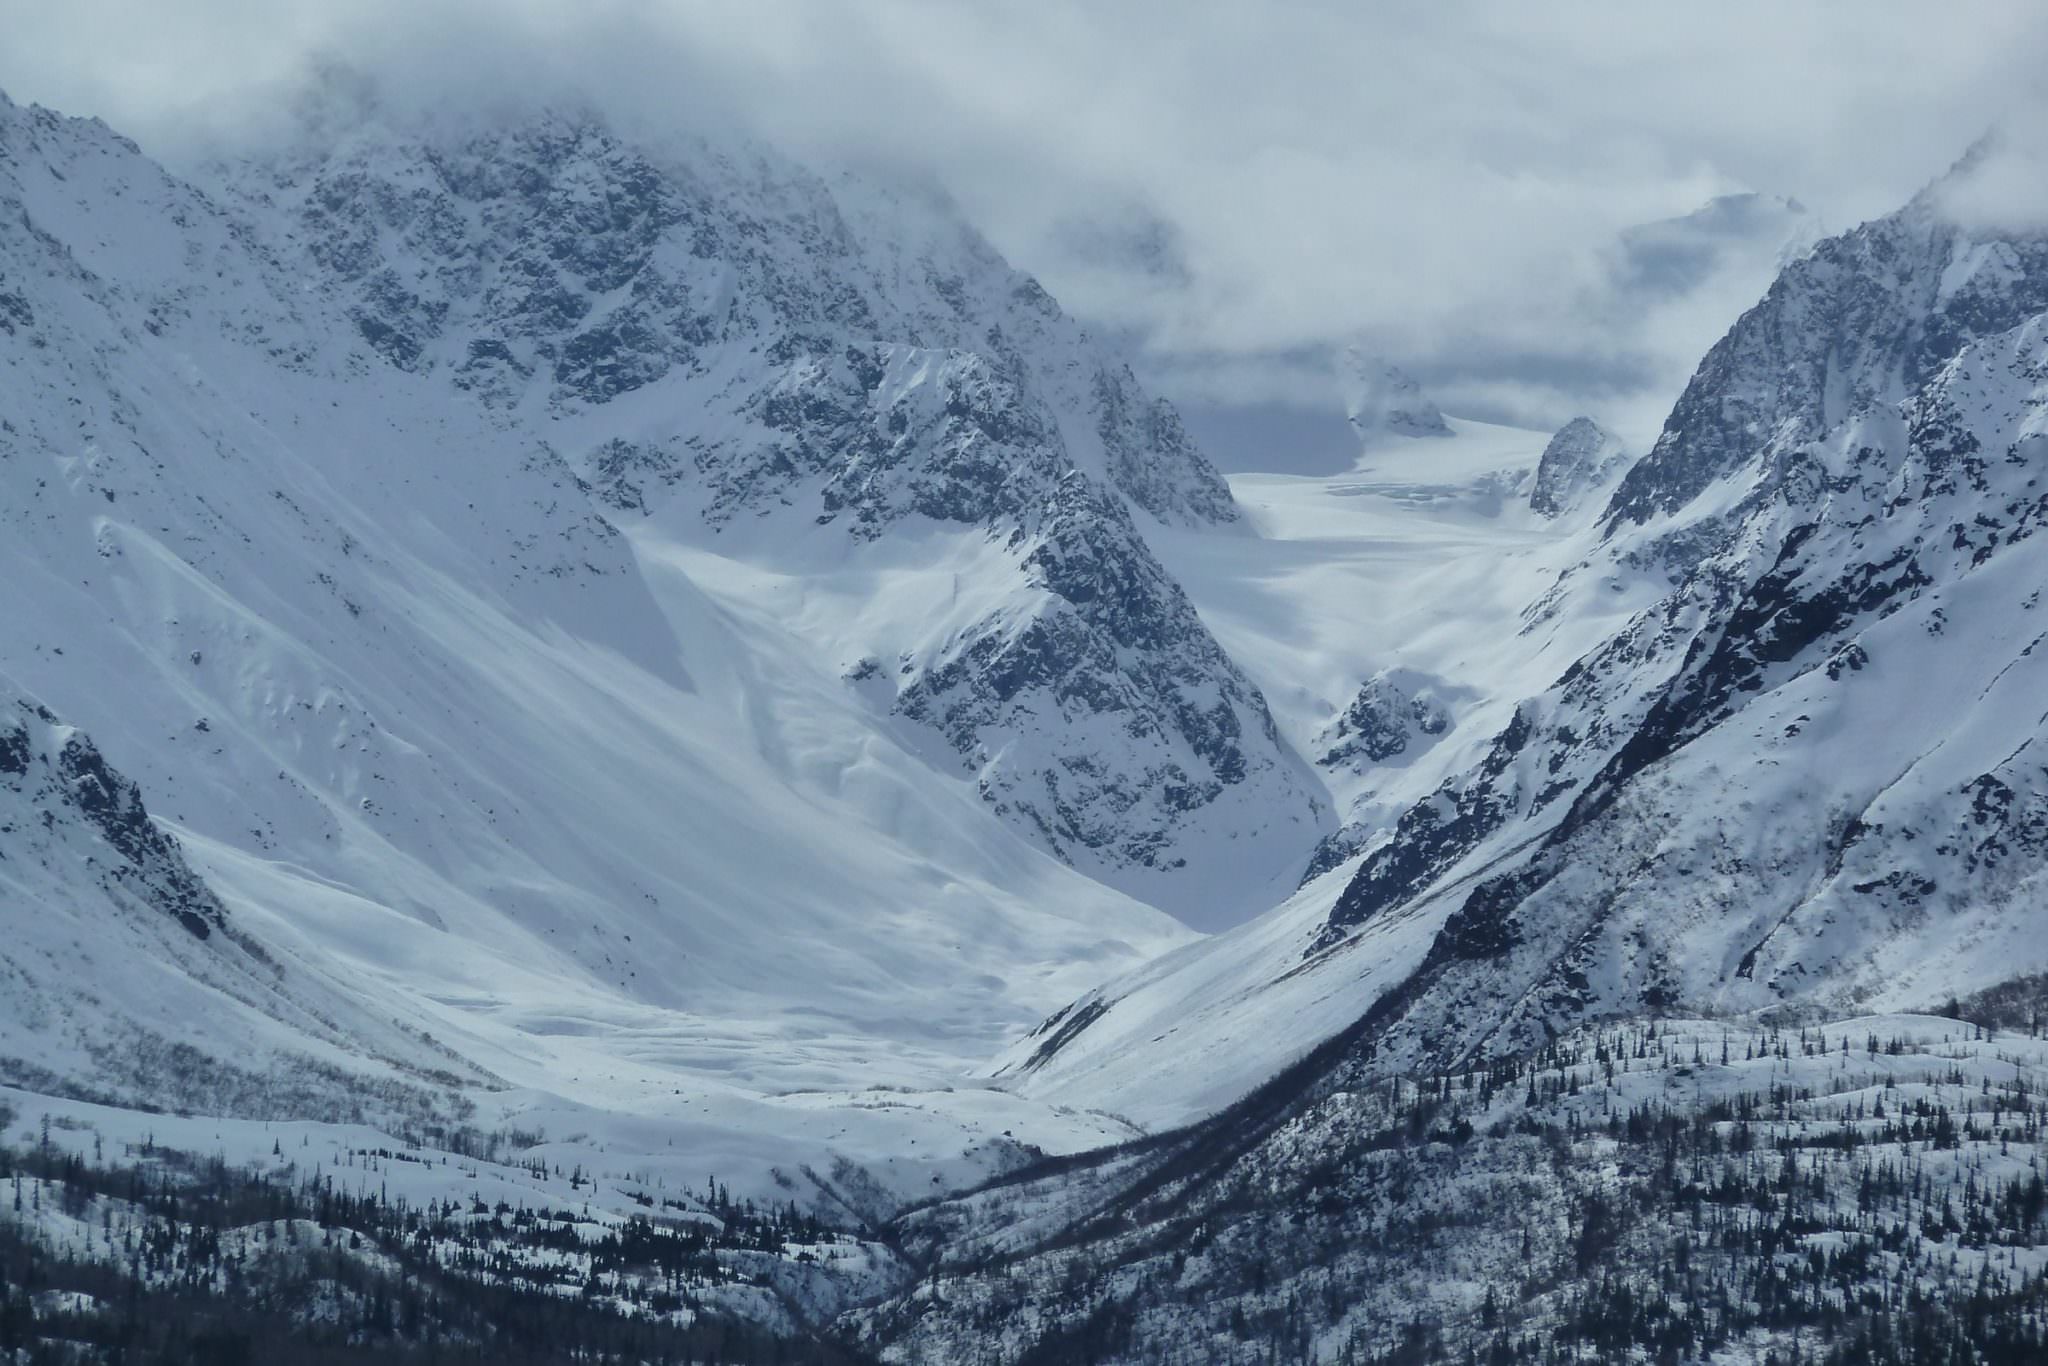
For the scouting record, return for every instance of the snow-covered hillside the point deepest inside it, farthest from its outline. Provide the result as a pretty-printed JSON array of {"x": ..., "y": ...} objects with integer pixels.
[
  {"x": 813, "y": 376},
  {"x": 729, "y": 804},
  {"x": 1381, "y": 612},
  {"x": 1771, "y": 740},
  {"x": 1672, "y": 1189},
  {"x": 125, "y": 975}
]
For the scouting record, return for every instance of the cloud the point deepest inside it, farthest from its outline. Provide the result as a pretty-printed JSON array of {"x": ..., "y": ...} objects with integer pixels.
[
  {"x": 1446, "y": 181},
  {"x": 2001, "y": 186}
]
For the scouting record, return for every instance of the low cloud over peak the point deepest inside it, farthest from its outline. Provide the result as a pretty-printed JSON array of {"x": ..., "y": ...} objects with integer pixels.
[{"x": 1219, "y": 184}]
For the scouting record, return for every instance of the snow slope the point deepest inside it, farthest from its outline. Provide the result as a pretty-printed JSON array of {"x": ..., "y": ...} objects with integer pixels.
[
  {"x": 1766, "y": 743},
  {"x": 122, "y": 968},
  {"x": 1381, "y": 612},
  {"x": 590, "y": 811},
  {"x": 813, "y": 374},
  {"x": 1722, "y": 1189}
]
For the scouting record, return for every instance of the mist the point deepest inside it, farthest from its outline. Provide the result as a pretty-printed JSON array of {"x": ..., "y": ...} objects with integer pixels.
[{"x": 1232, "y": 191}]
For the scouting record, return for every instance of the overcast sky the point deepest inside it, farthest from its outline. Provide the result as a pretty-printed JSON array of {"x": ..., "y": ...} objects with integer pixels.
[{"x": 1229, "y": 185}]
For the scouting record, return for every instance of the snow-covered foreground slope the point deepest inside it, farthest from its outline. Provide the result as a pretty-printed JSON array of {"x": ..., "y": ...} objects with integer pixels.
[
  {"x": 1766, "y": 742},
  {"x": 125, "y": 975},
  {"x": 1676, "y": 1188}
]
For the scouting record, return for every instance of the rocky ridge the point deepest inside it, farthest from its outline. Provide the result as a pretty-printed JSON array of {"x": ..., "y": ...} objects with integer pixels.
[{"x": 1579, "y": 459}]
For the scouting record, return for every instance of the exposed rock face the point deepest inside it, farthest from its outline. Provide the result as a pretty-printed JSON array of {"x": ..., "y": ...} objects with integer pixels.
[
  {"x": 60, "y": 791},
  {"x": 1381, "y": 722},
  {"x": 1579, "y": 459},
  {"x": 1111, "y": 650},
  {"x": 1862, "y": 323},
  {"x": 1434, "y": 836},
  {"x": 557, "y": 264}
]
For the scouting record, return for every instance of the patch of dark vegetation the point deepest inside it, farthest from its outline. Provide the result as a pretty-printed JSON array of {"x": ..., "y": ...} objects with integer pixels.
[
  {"x": 1064, "y": 1027},
  {"x": 358, "y": 1278},
  {"x": 2019, "y": 1003},
  {"x": 1829, "y": 1199}
]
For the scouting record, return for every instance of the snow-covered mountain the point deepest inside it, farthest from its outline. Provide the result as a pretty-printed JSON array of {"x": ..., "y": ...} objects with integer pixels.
[
  {"x": 1790, "y": 767},
  {"x": 825, "y": 370},
  {"x": 644, "y": 656},
  {"x": 649, "y": 624}
]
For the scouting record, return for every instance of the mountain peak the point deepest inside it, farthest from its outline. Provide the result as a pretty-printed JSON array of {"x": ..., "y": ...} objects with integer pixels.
[
  {"x": 1576, "y": 461},
  {"x": 1859, "y": 322},
  {"x": 1997, "y": 189},
  {"x": 1381, "y": 399}
]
